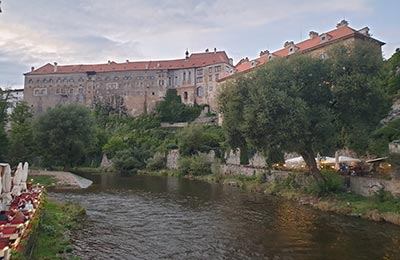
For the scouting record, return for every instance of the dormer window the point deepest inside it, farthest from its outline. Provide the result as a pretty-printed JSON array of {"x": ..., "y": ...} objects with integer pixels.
[{"x": 324, "y": 37}]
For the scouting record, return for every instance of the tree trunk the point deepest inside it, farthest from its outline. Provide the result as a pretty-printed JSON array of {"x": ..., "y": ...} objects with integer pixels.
[{"x": 309, "y": 158}]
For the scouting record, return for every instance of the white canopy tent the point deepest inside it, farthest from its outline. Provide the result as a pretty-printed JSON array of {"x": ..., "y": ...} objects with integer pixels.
[{"x": 298, "y": 162}]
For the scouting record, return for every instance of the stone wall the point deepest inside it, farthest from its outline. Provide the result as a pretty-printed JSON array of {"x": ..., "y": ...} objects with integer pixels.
[
  {"x": 370, "y": 186},
  {"x": 172, "y": 159}
]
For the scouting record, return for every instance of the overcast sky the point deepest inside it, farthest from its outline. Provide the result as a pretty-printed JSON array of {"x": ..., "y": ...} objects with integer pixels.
[{"x": 33, "y": 33}]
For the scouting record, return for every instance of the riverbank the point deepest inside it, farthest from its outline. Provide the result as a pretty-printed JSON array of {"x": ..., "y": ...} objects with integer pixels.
[
  {"x": 59, "y": 179},
  {"x": 52, "y": 237},
  {"x": 381, "y": 207}
]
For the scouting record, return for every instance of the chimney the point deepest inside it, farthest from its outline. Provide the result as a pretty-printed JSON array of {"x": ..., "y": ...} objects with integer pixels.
[
  {"x": 262, "y": 53},
  {"x": 109, "y": 62},
  {"x": 207, "y": 50},
  {"x": 313, "y": 34},
  {"x": 231, "y": 61},
  {"x": 187, "y": 54},
  {"x": 32, "y": 69},
  {"x": 342, "y": 23},
  {"x": 364, "y": 31},
  {"x": 287, "y": 44},
  {"x": 215, "y": 50},
  {"x": 55, "y": 66},
  {"x": 127, "y": 61}
]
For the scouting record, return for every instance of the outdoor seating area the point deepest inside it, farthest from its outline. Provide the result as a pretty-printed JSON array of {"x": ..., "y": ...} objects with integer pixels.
[
  {"x": 344, "y": 165},
  {"x": 19, "y": 205}
]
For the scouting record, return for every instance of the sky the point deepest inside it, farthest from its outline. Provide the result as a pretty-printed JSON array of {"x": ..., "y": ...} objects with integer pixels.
[{"x": 34, "y": 33}]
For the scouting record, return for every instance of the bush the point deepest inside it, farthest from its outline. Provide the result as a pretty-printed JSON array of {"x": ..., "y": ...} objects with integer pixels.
[
  {"x": 157, "y": 162},
  {"x": 334, "y": 183},
  {"x": 196, "y": 165}
]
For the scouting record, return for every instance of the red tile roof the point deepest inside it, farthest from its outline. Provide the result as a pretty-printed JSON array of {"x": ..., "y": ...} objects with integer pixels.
[
  {"x": 194, "y": 60},
  {"x": 304, "y": 46}
]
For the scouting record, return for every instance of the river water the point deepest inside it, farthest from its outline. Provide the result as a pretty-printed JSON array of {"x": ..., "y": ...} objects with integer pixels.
[{"x": 148, "y": 217}]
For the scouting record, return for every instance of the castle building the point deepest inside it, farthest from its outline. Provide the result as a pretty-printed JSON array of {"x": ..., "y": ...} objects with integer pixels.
[
  {"x": 135, "y": 86},
  {"x": 317, "y": 45},
  {"x": 138, "y": 86}
]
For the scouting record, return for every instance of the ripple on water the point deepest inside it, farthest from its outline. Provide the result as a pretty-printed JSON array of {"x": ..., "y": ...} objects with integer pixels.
[{"x": 185, "y": 221}]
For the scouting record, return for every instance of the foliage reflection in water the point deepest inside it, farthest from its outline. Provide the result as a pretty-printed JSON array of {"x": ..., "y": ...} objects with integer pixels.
[{"x": 145, "y": 217}]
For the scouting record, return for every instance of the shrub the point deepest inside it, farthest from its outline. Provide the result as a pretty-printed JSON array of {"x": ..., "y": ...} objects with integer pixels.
[
  {"x": 196, "y": 165},
  {"x": 333, "y": 183},
  {"x": 157, "y": 162}
]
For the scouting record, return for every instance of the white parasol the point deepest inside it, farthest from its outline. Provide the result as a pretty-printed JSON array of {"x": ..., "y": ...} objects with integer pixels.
[
  {"x": 6, "y": 185},
  {"x": 16, "y": 191},
  {"x": 24, "y": 176}
]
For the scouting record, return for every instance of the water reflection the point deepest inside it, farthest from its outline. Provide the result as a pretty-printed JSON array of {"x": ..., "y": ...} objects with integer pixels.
[{"x": 147, "y": 217}]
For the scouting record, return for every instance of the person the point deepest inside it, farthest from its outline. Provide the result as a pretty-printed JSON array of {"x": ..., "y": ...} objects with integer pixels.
[
  {"x": 20, "y": 216},
  {"x": 3, "y": 216},
  {"x": 343, "y": 168},
  {"x": 28, "y": 206}
]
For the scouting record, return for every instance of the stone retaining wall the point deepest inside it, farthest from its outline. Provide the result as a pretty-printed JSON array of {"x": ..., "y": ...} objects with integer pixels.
[{"x": 366, "y": 186}]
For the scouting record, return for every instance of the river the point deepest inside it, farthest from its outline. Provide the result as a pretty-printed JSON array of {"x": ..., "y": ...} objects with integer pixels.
[{"x": 149, "y": 217}]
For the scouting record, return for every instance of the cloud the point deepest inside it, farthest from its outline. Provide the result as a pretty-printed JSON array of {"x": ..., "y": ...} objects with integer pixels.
[{"x": 92, "y": 31}]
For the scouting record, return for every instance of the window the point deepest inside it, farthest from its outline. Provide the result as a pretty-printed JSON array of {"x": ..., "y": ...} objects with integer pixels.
[
  {"x": 71, "y": 91},
  {"x": 71, "y": 80},
  {"x": 58, "y": 91},
  {"x": 209, "y": 77},
  {"x": 217, "y": 68},
  {"x": 98, "y": 79},
  {"x": 150, "y": 77},
  {"x": 112, "y": 86},
  {"x": 189, "y": 77},
  {"x": 185, "y": 95},
  {"x": 107, "y": 79},
  {"x": 216, "y": 76},
  {"x": 116, "y": 78},
  {"x": 200, "y": 91},
  {"x": 199, "y": 79},
  {"x": 161, "y": 82},
  {"x": 199, "y": 72},
  {"x": 80, "y": 90},
  {"x": 80, "y": 80},
  {"x": 184, "y": 76},
  {"x": 40, "y": 91},
  {"x": 139, "y": 77},
  {"x": 210, "y": 70},
  {"x": 169, "y": 81},
  {"x": 30, "y": 81}
]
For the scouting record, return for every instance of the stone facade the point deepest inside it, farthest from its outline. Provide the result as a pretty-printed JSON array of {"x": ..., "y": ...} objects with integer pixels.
[{"x": 134, "y": 87}]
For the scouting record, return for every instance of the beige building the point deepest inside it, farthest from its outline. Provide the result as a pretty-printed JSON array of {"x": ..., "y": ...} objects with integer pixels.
[{"x": 134, "y": 86}]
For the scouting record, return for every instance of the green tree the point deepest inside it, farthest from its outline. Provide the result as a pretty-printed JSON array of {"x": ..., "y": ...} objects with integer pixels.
[
  {"x": 358, "y": 90},
  {"x": 286, "y": 108},
  {"x": 232, "y": 100},
  {"x": 172, "y": 110},
  {"x": 65, "y": 135},
  {"x": 392, "y": 66},
  {"x": 22, "y": 146},
  {"x": 195, "y": 139},
  {"x": 4, "y": 104}
]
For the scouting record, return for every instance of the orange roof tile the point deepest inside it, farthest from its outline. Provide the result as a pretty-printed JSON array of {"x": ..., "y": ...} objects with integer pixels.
[
  {"x": 306, "y": 45},
  {"x": 195, "y": 60}
]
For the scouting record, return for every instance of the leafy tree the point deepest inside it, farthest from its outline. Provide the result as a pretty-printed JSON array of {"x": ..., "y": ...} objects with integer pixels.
[
  {"x": 392, "y": 66},
  {"x": 22, "y": 145},
  {"x": 380, "y": 138},
  {"x": 286, "y": 108},
  {"x": 65, "y": 135},
  {"x": 232, "y": 100},
  {"x": 194, "y": 139},
  {"x": 358, "y": 90},
  {"x": 172, "y": 110},
  {"x": 4, "y": 95}
]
